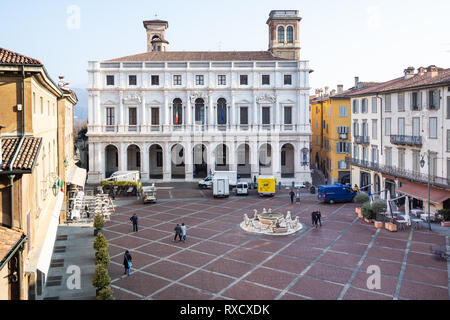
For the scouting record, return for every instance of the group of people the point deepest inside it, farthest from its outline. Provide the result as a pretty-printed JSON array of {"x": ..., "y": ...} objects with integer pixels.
[
  {"x": 315, "y": 216},
  {"x": 180, "y": 233}
]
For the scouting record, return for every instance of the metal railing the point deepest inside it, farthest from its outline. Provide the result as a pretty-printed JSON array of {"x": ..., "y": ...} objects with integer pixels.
[
  {"x": 362, "y": 139},
  {"x": 406, "y": 140}
]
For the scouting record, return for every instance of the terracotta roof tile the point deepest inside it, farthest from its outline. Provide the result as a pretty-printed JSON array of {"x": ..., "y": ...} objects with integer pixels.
[
  {"x": 26, "y": 156},
  {"x": 11, "y": 57},
  {"x": 8, "y": 239},
  {"x": 200, "y": 56}
]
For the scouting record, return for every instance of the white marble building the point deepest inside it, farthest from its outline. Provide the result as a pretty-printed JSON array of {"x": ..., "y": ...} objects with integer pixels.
[{"x": 177, "y": 115}]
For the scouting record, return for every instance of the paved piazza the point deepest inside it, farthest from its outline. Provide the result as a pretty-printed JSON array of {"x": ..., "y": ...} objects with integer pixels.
[{"x": 221, "y": 261}]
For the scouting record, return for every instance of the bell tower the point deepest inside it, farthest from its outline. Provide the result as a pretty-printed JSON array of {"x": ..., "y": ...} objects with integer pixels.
[
  {"x": 284, "y": 40},
  {"x": 156, "y": 30}
]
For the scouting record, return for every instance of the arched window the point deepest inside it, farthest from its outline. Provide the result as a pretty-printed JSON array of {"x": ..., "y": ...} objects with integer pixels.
[
  {"x": 199, "y": 111},
  {"x": 177, "y": 111},
  {"x": 290, "y": 34},
  {"x": 280, "y": 34},
  {"x": 221, "y": 111}
]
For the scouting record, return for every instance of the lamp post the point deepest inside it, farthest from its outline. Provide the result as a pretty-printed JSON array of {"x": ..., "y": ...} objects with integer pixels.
[{"x": 422, "y": 164}]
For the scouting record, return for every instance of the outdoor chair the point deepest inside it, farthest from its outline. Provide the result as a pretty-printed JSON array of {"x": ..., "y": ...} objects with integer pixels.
[{"x": 401, "y": 223}]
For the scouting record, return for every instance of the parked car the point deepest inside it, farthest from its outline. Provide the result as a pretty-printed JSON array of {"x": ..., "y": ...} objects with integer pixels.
[
  {"x": 335, "y": 193},
  {"x": 242, "y": 188}
]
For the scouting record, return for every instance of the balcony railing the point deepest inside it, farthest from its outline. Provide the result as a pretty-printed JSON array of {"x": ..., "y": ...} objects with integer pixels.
[
  {"x": 362, "y": 139},
  {"x": 406, "y": 140},
  {"x": 402, "y": 173}
]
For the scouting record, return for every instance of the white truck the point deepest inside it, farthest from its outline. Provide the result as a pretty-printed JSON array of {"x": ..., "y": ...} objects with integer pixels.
[
  {"x": 221, "y": 187},
  {"x": 208, "y": 181},
  {"x": 125, "y": 176}
]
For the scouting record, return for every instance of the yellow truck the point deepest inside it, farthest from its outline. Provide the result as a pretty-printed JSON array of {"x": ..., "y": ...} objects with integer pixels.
[{"x": 267, "y": 185}]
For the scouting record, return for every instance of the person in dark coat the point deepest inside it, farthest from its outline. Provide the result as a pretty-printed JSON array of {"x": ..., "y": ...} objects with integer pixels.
[
  {"x": 127, "y": 262},
  {"x": 318, "y": 215},
  {"x": 134, "y": 220},
  {"x": 178, "y": 232},
  {"x": 292, "y": 195},
  {"x": 314, "y": 218}
]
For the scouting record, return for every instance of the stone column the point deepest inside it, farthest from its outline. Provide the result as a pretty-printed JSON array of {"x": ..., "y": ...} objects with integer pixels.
[
  {"x": 212, "y": 121},
  {"x": 255, "y": 113},
  {"x": 145, "y": 175},
  {"x": 188, "y": 161},
  {"x": 98, "y": 159},
  {"x": 211, "y": 165},
  {"x": 167, "y": 165},
  {"x": 166, "y": 113},
  {"x": 189, "y": 111},
  {"x": 123, "y": 156},
  {"x": 233, "y": 111},
  {"x": 233, "y": 155},
  {"x": 121, "y": 127},
  {"x": 254, "y": 159},
  {"x": 144, "y": 122},
  {"x": 297, "y": 161}
]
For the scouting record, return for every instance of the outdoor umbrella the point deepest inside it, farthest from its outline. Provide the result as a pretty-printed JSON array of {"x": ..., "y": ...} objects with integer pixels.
[{"x": 407, "y": 218}]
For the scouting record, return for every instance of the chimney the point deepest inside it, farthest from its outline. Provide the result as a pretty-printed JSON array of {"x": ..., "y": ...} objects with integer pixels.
[
  {"x": 333, "y": 92},
  {"x": 432, "y": 71},
  {"x": 340, "y": 88},
  {"x": 356, "y": 82},
  {"x": 409, "y": 72},
  {"x": 326, "y": 90},
  {"x": 421, "y": 71}
]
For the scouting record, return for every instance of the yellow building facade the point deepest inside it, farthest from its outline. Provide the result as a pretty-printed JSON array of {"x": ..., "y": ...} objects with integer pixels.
[{"x": 330, "y": 142}]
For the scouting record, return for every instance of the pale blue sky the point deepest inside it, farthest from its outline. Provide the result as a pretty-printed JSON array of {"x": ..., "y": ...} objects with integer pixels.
[{"x": 373, "y": 39}]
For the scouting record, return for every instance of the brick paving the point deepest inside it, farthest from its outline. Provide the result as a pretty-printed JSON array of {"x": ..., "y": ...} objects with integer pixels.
[{"x": 220, "y": 261}]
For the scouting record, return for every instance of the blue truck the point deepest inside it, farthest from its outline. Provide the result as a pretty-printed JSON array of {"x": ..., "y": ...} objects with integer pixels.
[{"x": 336, "y": 193}]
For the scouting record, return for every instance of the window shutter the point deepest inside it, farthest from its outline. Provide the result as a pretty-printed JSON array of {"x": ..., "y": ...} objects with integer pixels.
[
  {"x": 411, "y": 100},
  {"x": 419, "y": 100},
  {"x": 436, "y": 99}
]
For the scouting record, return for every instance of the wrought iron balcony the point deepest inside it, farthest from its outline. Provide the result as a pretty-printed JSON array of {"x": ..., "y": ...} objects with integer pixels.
[
  {"x": 362, "y": 139},
  {"x": 406, "y": 140}
]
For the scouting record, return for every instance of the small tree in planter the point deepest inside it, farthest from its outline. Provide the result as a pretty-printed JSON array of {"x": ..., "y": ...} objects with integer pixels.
[
  {"x": 105, "y": 294},
  {"x": 99, "y": 222},
  {"x": 102, "y": 257},
  {"x": 367, "y": 213},
  {"x": 100, "y": 242},
  {"x": 445, "y": 216},
  {"x": 360, "y": 198},
  {"x": 101, "y": 278}
]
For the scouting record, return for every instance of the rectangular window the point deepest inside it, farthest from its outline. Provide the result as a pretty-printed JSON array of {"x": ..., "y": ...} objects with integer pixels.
[
  {"x": 287, "y": 79},
  {"x": 221, "y": 79},
  {"x": 448, "y": 140},
  {"x": 155, "y": 80},
  {"x": 266, "y": 115},
  {"x": 401, "y": 158},
  {"x": 287, "y": 115},
  {"x": 387, "y": 127},
  {"x": 416, "y": 101},
  {"x": 355, "y": 129},
  {"x": 159, "y": 163},
  {"x": 244, "y": 115},
  {"x": 356, "y": 152},
  {"x": 342, "y": 147},
  {"x": 387, "y": 106},
  {"x": 343, "y": 111},
  {"x": 434, "y": 99},
  {"x": 265, "y": 79},
  {"x": 155, "y": 116},
  {"x": 243, "y": 79},
  {"x": 416, "y": 161},
  {"x": 110, "y": 121},
  {"x": 132, "y": 80},
  {"x": 401, "y": 101},
  {"x": 433, "y": 128},
  {"x": 433, "y": 164},
  {"x": 109, "y": 80},
  {"x": 177, "y": 80},
  {"x": 388, "y": 157},
  {"x": 132, "y": 116},
  {"x": 355, "y": 106},
  {"x": 374, "y": 129},
  {"x": 416, "y": 127},
  {"x": 374, "y": 105},
  {"x": 401, "y": 126},
  {"x": 364, "y": 107},
  {"x": 448, "y": 107},
  {"x": 42, "y": 105},
  {"x": 448, "y": 170},
  {"x": 199, "y": 80},
  {"x": 317, "y": 124},
  {"x": 283, "y": 157}
]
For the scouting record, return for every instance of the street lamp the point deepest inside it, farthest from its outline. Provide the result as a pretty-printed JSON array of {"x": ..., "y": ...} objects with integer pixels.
[{"x": 422, "y": 164}]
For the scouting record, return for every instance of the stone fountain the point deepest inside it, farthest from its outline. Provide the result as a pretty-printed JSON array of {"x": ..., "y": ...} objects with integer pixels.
[{"x": 268, "y": 222}]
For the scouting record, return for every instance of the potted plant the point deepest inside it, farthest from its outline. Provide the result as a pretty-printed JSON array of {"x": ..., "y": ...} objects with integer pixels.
[
  {"x": 105, "y": 294},
  {"x": 360, "y": 198},
  {"x": 367, "y": 213},
  {"x": 445, "y": 214},
  {"x": 102, "y": 257},
  {"x": 101, "y": 278},
  {"x": 100, "y": 242},
  {"x": 99, "y": 222}
]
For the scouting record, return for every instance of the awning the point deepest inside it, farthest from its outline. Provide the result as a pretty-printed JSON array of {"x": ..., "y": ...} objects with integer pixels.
[
  {"x": 46, "y": 253},
  {"x": 420, "y": 191},
  {"x": 77, "y": 176}
]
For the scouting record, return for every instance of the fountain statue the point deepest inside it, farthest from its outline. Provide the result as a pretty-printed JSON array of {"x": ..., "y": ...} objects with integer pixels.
[{"x": 272, "y": 223}]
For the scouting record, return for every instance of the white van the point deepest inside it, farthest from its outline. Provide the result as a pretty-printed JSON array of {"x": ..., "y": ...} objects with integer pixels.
[
  {"x": 242, "y": 188},
  {"x": 221, "y": 187}
]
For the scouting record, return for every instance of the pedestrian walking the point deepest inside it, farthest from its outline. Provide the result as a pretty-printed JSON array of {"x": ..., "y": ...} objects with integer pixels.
[
  {"x": 298, "y": 197},
  {"x": 292, "y": 195},
  {"x": 134, "y": 220},
  {"x": 318, "y": 215},
  {"x": 183, "y": 232},
  {"x": 314, "y": 218},
  {"x": 86, "y": 210},
  {"x": 178, "y": 232},
  {"x": 127, "y": 262}
]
